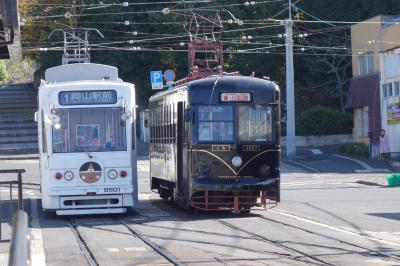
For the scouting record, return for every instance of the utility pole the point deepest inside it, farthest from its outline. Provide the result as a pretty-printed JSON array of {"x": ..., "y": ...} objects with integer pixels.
[{"x": 290, "y": 110}]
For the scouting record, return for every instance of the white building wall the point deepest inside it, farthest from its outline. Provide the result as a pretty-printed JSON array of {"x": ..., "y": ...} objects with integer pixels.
[{"x": 390, "y": 73}]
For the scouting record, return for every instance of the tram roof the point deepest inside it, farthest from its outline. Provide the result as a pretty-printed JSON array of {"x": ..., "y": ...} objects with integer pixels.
[
  {"x": 243, "y": 83},
  {"x": 233, "y": 82},
  {"x": 81, "y": 72}
]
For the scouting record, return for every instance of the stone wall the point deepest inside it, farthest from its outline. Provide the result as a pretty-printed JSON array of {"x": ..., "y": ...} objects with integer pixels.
[{"x": 315, "y": 141}]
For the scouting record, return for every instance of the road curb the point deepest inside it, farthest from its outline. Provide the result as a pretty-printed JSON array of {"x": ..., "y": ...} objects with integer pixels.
[{"x": 300, "y": 165}]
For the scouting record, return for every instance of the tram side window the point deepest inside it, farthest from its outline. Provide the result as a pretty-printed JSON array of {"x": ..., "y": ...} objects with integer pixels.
[
  {"x": 174, "y": 122},
  {"x": 255, "y": 123},
  {"x": 152, "y": 125},
  {"x": 158, "y": 127},
  {"x": 133, "y": 134},
  {"x": 168, "y": 123},
  {"x": 215, "y": 123},
  {"x": 44, "y": 139}
]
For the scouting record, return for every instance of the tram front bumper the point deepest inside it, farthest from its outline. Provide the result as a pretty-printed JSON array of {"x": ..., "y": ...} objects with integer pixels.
[{"x": 253, "y": 184}]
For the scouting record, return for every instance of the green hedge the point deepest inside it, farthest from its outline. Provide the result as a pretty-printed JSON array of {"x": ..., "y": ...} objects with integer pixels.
[
  {"x": 354, "y": 148},
  {"x": 320, "y": 120}
]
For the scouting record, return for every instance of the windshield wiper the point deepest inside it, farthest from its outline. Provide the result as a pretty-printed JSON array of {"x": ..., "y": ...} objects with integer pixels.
[{"x": 86, "y": 152}]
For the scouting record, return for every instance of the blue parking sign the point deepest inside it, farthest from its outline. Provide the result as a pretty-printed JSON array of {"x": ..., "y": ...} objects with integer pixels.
[{"x": 156, "y": 78}]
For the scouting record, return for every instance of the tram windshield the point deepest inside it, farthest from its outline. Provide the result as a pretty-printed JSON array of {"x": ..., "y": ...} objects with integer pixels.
[
  {"x": 216, "y": 123},
  {"x": 255, "y": 123},
  {"x": 89, "y": 130}
]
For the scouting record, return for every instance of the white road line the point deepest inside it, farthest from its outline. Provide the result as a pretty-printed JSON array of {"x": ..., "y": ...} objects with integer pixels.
[
  {"x": 373, "y": 170},
  {"x": 335, "y": 183},
  {"x": 37, "y": 249},
  {"x": 337, "y": 229},
  {"x": 368, "y": 168},
  {"x": 316, "y": 151},
  {"x": 113, "y": 249},
  {"x": 135, "y": 249}
]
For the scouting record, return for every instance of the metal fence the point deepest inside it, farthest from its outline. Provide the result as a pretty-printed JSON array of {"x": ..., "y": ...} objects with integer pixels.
[
  {"x": 10, "y": 184},
  {"x": 20, "y": 238}
]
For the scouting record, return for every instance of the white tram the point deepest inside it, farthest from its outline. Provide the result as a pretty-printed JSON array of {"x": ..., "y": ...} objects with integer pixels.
[{"x": 86, "y": 123}]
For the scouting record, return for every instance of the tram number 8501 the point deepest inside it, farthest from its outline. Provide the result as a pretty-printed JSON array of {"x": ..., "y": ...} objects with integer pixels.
[{"x": 112, "y": 189}]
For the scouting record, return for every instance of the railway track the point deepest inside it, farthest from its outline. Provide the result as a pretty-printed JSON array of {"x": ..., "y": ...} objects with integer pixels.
[
  {"x": 382, "y": 254},
  {"x": 164, "y": 253},
  {"x": 317, "y": 261},
  {"x": 91, "y": 259},
  {"x": 87, "y": 253},
  {"x": 306, "y": 257}
]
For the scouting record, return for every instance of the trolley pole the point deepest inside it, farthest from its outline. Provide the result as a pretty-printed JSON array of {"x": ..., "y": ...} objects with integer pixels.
[{"x": 290, "y": 110}]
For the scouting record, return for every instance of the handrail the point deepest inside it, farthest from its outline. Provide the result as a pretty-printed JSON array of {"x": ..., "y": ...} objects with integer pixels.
[
  {"x": 20, "y": 241},
  {"x": 18, "y": 182}
]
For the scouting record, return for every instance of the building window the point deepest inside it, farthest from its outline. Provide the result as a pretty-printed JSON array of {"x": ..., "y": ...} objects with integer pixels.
[
  {"x": 389, "y": 89},
  {"x": 397, "y": 88},
  {"x": 384, "y": 90},
  {"x": 365, "y": 121},
  {"x": 366, "y": 63}
]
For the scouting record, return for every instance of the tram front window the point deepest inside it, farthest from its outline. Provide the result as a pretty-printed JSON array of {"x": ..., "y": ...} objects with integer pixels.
[
  {"x": 89, "y": 130},
  {"x": 215, "y": 123},
  {"x": 255, "y": 124}
]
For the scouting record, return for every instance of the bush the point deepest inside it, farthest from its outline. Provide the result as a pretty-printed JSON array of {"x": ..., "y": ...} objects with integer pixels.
[
  {"x": 354, "y": 148},
  {"x": 320, "y": 120}
]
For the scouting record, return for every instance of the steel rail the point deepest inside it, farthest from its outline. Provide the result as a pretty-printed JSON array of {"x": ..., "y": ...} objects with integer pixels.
[
  {"x": 91, "y": 260},
  {"x": 168, "y": 256},
  {"x": 276, "y": 243},
  {"x": 392, "y": 256}
]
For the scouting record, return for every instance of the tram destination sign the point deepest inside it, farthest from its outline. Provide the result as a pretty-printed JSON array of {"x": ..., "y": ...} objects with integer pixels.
[
  {"x": 87, "y": 97},
  {"x": 235, "y": 97}
]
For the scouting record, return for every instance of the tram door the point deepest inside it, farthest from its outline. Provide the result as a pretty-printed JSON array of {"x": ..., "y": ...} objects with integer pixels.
[{"x": 179, "y": 154}]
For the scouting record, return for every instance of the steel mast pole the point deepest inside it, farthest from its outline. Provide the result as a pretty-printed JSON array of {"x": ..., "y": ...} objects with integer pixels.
[{"x": 290, "y": 123}]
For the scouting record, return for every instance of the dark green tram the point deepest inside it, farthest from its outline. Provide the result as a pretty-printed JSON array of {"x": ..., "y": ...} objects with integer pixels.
[{"x": 215, "y": 143}]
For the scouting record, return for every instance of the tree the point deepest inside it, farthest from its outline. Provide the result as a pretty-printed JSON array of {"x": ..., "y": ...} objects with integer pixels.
[
  {"x": 20, "y": 71},
  {"x": 3, "y": 72},
  {"x": 329, "y": 71}
]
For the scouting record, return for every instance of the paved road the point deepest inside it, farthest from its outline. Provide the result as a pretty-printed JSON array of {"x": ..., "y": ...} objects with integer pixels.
[
  {"x": 323, "y": 219},
  {"x": 329, "y": 160}
]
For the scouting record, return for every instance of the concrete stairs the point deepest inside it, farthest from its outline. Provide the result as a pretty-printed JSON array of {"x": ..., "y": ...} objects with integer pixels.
[{"x": 18, "y": 130}]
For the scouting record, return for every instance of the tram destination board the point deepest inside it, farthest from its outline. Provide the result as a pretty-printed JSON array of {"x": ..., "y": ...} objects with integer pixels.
[
  {"x": 87, "y": 97},
  {"x": 235, "y": 97}
]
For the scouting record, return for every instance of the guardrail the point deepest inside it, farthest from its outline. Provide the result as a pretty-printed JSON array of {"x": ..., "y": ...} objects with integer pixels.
[
  {"x": 20, "y": 241},
  {"x": 11, "y": 184}
]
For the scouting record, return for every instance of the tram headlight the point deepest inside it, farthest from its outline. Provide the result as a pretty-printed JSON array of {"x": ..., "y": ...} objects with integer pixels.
[
  {"x": 237, "y": 161},
  {"x": 265, "y": 170},
  {"x": 112, "y": 174},
  {"x": 68, "y": 175}
]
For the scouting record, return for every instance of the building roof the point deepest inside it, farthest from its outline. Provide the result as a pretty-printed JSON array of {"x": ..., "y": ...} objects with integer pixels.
[
  {"x": 361, "y": 89},
  {"x": 364, "y": 92}
]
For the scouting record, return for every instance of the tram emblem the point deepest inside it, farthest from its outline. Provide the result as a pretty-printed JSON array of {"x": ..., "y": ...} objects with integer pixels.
[{"x": 90, "y": 172}]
